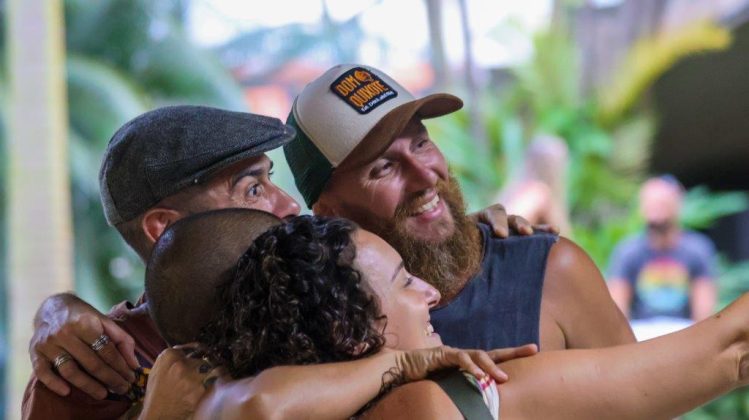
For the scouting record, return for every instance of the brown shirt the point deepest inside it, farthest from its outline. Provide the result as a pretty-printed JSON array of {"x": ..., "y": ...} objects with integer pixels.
[{"x": 41, "y": 403}]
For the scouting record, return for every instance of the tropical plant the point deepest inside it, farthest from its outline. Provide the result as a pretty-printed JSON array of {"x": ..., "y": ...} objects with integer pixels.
[
  {"x": 124, "y": 57},
  {"x": 609, "y": 141}
]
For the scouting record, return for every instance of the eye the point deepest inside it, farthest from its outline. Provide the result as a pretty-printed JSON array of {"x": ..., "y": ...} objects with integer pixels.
[
  {"x": 271, "y": 173},
  {"x": 255, "y": 190},
  {"x": 383, "y": 169},
  {"x": 409, "y": 280}
]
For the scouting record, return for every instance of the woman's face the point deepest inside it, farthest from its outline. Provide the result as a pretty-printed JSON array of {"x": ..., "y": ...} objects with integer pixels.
[{"x": 404, "y": 299}]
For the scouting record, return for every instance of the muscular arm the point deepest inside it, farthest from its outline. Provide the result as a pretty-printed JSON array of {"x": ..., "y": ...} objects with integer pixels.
[
  {"x": 656, "y": 379},
  {"x": 577, "y": 310},
  {"x": 339, "y": 390},
  {"x": 660, "y": 378},
  {"x": 320, "y": 391}
]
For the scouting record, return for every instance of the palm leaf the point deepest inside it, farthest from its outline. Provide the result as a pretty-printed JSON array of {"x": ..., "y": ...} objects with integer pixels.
[{"x": 649, "y": 58}]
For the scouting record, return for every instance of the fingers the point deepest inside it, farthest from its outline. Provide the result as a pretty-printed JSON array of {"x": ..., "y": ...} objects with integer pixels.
[
  {"x": 479, "y": 364},
  {"x": 112, "y": 353},
  {"x": 75, "y": 376},
  {"x": 124, "y": 343},
  {"x": 519, "y": 225},
  {"x": 466, "y": 363},
  {"x": 486, "y": 364},
  {"x": 547, "y": 228},
  {"x": 503, "y": 355},
  {"x": 496, "y": 217},
  {"x": 44, "y": 372},
  {"x": 98, "y": 364},
  {"x": 115, "y": 366}
]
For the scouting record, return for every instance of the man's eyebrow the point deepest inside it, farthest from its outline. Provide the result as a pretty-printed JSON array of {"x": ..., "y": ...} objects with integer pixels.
[
  {"x": 397, "y": 270},
  {"x": 252, "y": 171}
]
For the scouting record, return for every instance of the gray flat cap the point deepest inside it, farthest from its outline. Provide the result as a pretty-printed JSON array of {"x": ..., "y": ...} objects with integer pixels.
[{"x": 165, "y": 150}]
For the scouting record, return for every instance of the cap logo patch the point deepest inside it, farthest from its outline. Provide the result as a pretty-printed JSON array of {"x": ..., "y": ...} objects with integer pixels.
[{"x": 362, "y": 90}]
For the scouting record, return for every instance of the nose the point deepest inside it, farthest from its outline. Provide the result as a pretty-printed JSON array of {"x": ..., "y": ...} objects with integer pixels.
[
  {"x": 419, "y": 175},
  {"x": 431, "y": 295},
  {"x": 284, "y": 206}
]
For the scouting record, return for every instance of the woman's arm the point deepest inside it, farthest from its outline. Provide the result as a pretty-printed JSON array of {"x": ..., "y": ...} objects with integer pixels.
[
  {"x": 339, "y": 390},
  {"x": 660, "y": 378}
]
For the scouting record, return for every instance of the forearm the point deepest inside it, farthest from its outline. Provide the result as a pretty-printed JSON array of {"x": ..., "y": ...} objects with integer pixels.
[
  {"x": 659, "y": 378},
  {"x": 336, "y": 390}
]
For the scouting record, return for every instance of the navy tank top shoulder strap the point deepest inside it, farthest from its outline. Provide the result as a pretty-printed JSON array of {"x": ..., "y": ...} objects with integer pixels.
[{"x": 501, "y": 305}]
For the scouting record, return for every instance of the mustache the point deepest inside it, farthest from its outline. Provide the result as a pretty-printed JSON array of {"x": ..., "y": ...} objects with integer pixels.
[{"x": 411, "y": 205}]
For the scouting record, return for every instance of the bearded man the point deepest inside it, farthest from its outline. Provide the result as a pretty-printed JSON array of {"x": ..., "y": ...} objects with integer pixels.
[
  {"x": 362, "y": 152},
  {"x": 160, "y": 167}
]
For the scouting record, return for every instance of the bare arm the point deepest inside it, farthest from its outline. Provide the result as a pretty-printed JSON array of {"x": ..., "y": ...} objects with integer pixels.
[
  {"x": 338, "y": 390},
  {"x": 656, "y": 379},
  {"x": 577, "y": 305},
  {"x": 66, "y": 324},
  {"x": 621, "y": 292},
  {"x": 704, "y": 296}
]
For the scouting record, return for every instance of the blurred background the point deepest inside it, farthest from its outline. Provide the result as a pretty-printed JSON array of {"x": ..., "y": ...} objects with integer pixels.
[{"x": 570, "y": 106}]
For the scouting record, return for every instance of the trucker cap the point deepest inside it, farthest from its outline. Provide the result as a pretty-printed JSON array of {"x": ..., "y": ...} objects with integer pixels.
[{"x": 349, "y": 116}]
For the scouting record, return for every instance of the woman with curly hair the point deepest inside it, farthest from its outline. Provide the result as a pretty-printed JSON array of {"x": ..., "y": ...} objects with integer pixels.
[{"x": 319, "y": 290}]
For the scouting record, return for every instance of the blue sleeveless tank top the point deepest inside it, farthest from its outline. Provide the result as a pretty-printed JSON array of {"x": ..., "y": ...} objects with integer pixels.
[{"x": 501, "y": 305}]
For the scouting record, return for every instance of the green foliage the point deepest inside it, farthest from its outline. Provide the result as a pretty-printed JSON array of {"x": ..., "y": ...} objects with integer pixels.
[
  {"x": 124, "y": 57},
  {"x": 608, "y": 157},
  {"x": 702, "y": 207},
  {"x": 651, "y": 57}
]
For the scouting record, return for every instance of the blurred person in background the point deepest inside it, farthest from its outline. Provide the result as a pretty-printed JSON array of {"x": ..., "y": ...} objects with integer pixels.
[
  {"x": 663, "y": 279},
  {"x": 539, "y": 191}
]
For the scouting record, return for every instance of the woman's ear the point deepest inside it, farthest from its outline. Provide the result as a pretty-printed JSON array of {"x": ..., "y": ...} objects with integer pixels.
[{"x": 156, "y": 220}]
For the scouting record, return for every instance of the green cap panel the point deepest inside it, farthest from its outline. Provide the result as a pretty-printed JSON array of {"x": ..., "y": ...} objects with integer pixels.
[{"x": 310, "y": 168}]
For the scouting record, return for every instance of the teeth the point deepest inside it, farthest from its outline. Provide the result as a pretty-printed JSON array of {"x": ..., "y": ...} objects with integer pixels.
[
  {"x": 430, "y": 330},
  {"x": 431, "y": 205}
]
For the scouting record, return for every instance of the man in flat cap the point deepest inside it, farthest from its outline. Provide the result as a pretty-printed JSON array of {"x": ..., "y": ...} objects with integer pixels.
[
  {"x": 158, "y": 168},
  {"x": 363, "y": 153}
]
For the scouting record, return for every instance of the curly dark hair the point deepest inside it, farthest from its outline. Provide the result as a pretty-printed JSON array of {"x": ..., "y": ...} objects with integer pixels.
[{"x": 295, "y": 299}]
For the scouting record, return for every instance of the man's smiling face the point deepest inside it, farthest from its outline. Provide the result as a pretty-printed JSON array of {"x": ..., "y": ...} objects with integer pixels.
[
  {"x": 401, "y": 186},
  {"x": 407, "y": 196}
]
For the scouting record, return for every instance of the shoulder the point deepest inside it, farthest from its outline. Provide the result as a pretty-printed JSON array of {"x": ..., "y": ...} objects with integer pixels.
[
  {"x": 421, "y": 399},
  {"x": 569, "y": 270},
  {"x": 697, "y": 242},
  {"x": 578, "y": 299},
  {"x": 566, "y": 257}
]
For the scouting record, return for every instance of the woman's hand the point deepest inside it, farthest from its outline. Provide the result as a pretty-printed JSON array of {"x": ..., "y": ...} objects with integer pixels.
[
  {"x": 417, "y": 364},
  {"x": 176, "y": 384}
]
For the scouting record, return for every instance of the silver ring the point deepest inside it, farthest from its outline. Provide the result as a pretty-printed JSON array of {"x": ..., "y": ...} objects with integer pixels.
[
  {"x": 61, "y": 360},
  {"x": 100, "y": 342}
]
